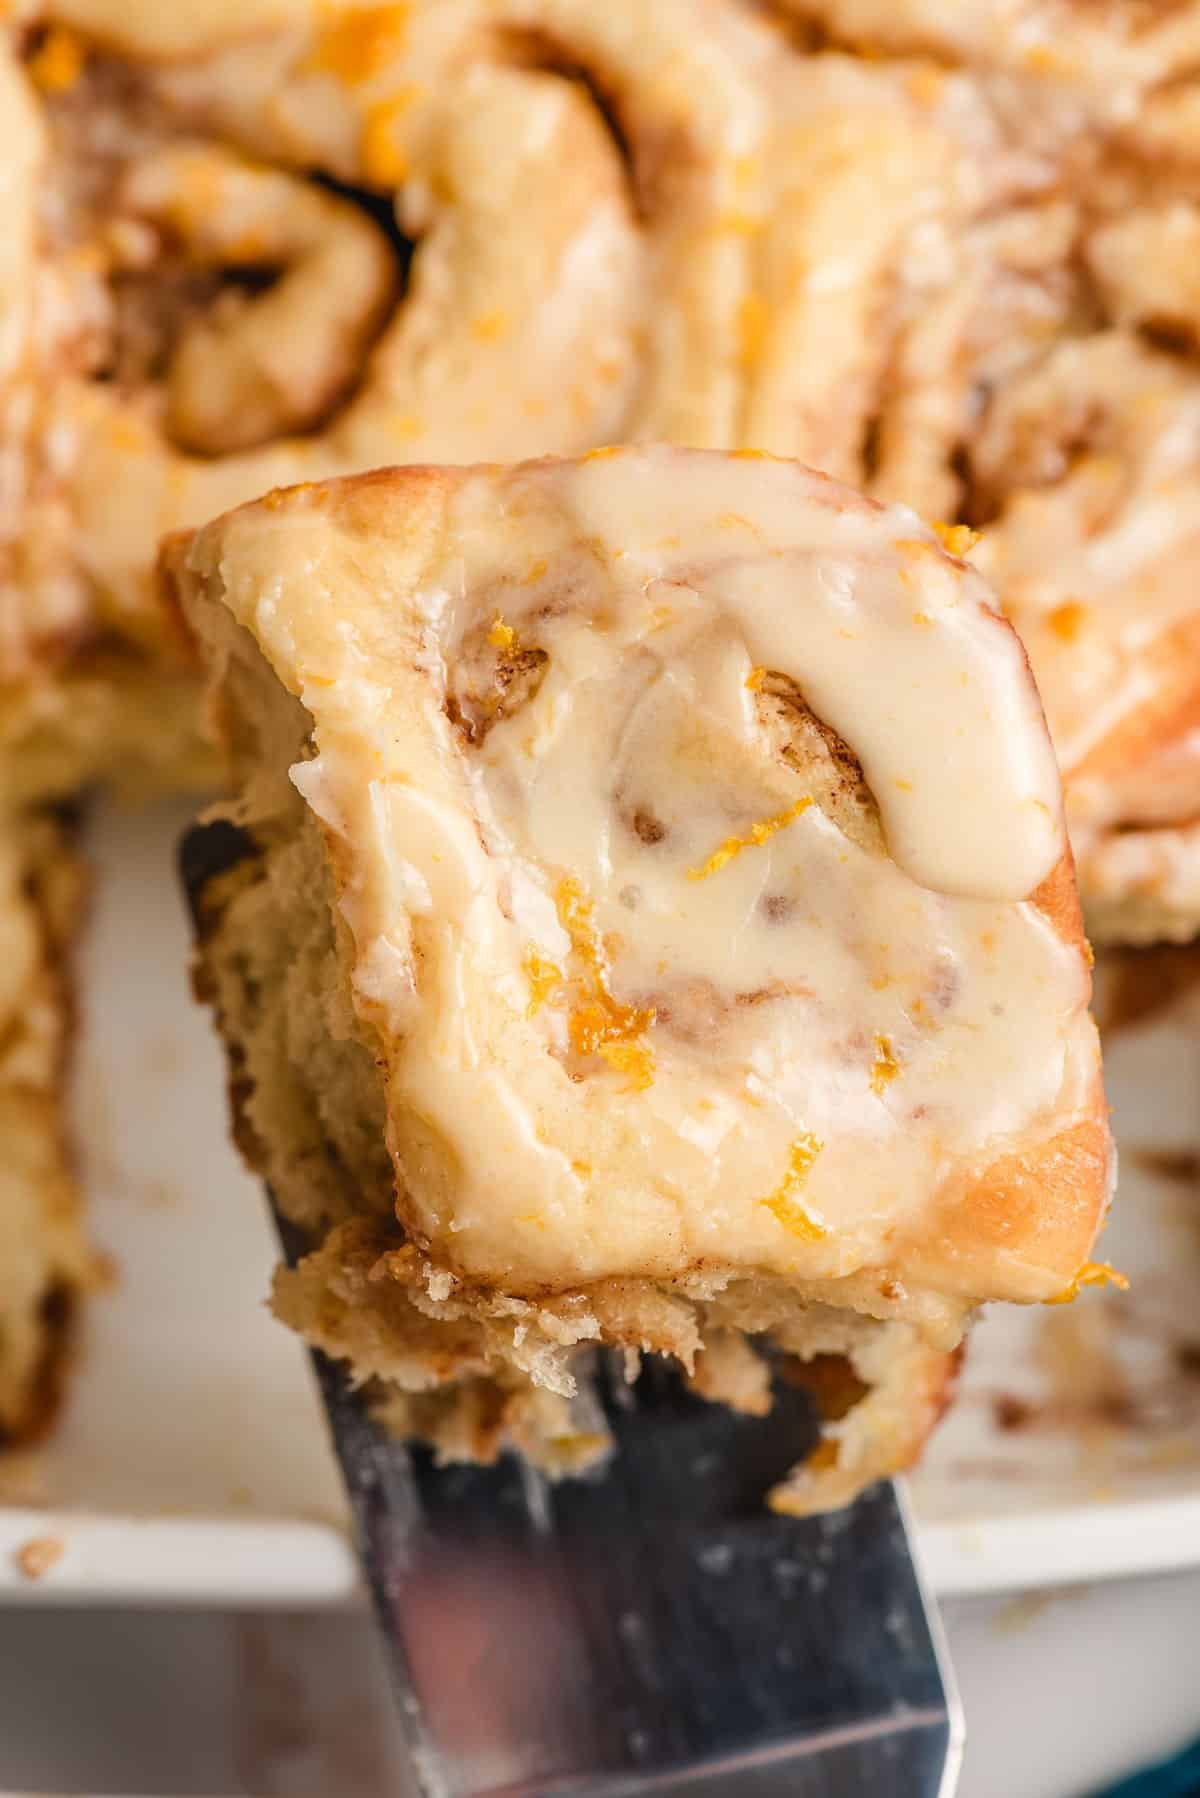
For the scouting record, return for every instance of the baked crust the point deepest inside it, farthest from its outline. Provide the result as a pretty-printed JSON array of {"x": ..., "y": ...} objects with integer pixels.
[
  {"x": 412, "y": 633},
  {"x": 45, "y": 1263}
]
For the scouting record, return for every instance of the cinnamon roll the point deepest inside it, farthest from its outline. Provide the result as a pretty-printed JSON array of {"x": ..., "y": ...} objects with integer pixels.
[
  {"x": 649, "y": 923},
  {"x": 1041, "y": 386}
]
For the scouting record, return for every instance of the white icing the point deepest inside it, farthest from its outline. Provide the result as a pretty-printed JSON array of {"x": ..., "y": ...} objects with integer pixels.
[{"x": 910, "y": 1011}]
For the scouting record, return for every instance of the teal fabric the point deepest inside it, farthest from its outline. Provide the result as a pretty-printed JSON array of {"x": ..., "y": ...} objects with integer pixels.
[{"x": 1178, "y": 1777}]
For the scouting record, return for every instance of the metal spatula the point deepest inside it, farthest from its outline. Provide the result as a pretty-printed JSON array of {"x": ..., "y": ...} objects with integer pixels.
[{"x": 651, "y": 1628}]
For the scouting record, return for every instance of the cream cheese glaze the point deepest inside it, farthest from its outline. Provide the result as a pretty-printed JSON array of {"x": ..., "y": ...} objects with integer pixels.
[{"x": 647, "y": 1007}]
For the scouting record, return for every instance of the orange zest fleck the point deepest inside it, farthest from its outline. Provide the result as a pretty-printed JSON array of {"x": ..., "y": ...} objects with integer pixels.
[
  {"x": 755, "y": 679},
  {"x": 1092, "y": 1273},
  {"x": 544, "y": 977},
  {"x": 757, "y": 834},
  {"x": 58, "y": 62},
  {"x": 502, "y": 636},
  {"x": 535, "y": 571},
  {"x": 1042, "y": 59},
  {"x": 753, "y": 319},
  {"x": 605, "y": 449},
  {"x": 956, "y": 539},
  {"x": 1067, "y": 620},
  {"x": 360, "y": 42},
  {"x": 634, "y": 1059},
  {"x": 784, "y": 1203},
  {"x": 125, "y": 431},
  {"x": 602, "y": 1025},
  {"x": 384, "y": 162},
  {"x": 885, "y": 1066},
  {"x": 925, "y": 84},
  {"x": 490, "y": 325}
]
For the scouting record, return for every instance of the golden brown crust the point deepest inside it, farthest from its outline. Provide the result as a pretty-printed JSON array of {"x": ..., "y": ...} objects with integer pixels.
[
  {"x": 449, "y": 1375},
  {"x": 1031, "y": 1209},
  {"x": 1036, "y": 1207}
]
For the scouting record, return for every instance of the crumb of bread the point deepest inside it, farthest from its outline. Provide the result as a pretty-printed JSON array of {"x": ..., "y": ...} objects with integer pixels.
[{"x": 36, "y": 1557}]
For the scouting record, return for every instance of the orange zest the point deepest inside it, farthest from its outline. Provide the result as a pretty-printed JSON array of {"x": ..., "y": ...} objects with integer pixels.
[
  {"x": 1092, "y": 1273},
  {"x": 543, "y": 977},
  {"x": 489, "y": 326},
  {"x": 753, "y": 321},
  {"x": 58, "y": 62},
  {"x": 383, "y": 158},
  {"x": 784, "y": 1203},
  {"x": 885, "y": 1067},
  {"x": 757, "y": 834},
  {"x": 634, "y": 1059},
  {"x": 359, "y": 43},
  {"x": 1067, "y": 620},
  {"x": 602, "y": 1025},
  {"x": 956, "y": 539},
  {"x": 502, "y": 636}
]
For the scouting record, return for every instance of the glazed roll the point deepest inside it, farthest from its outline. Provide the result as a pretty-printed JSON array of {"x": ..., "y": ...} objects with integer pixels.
[{"x": 647, "y": 923}]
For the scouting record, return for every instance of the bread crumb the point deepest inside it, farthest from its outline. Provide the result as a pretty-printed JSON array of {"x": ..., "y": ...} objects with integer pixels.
[{"x": 36, "y": 1557}]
